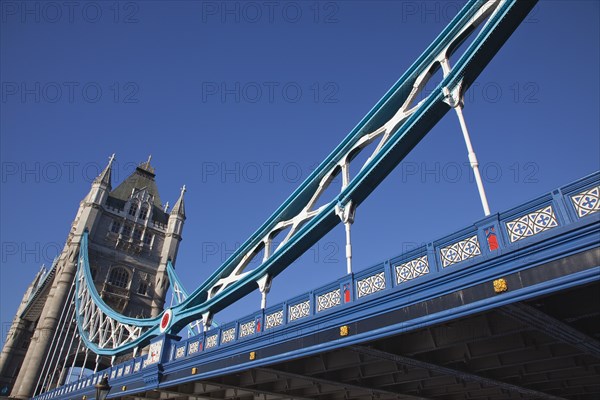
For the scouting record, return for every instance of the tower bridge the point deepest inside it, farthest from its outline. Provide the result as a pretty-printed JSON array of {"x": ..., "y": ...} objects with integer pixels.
[
  {"x": 504, "y": 308},
  {"x": 132, "y": 239}
]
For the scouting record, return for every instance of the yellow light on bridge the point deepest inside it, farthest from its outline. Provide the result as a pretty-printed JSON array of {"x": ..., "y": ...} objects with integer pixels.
[
  {"x": 344, "y": 330},
  {"x": 500, "y": 285}
]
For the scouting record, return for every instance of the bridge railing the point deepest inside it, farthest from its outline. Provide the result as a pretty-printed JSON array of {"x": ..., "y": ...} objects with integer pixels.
[{"x": 493, "y": 236}]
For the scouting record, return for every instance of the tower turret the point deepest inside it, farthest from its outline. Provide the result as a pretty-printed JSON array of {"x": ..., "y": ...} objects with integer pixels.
[
  {"x": 101, "y": 185},
  {"x": 131, "y": 238},
  {"x": 177, "y": 215},
  {"x": 169, "y": 250}
]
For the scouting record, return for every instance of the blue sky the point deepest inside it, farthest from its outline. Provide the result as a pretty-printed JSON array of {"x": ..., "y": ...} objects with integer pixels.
[{"x": 241, "y": 100}]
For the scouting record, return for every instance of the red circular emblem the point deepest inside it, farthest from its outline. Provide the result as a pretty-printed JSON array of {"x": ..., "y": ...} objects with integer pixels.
[{"x": 165, "y": 321}]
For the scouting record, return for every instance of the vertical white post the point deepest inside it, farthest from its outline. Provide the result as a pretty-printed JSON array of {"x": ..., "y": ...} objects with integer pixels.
[
  {"x": 263, "y": 300},
  {"x": 454, "y": 99},
  {"x": 73, "y": 363},
  {"x": 348, "y": 248},
  {"x": 64, "y": 367},
  {"x": 84, "y": 362},
  {"x": 264, "y": 285},
  {"x": 472, "y": 160},
  {"x": 346, "y": 214},
  {"x": 207, "y": 320},
  {"x": 98, "y": 361}
]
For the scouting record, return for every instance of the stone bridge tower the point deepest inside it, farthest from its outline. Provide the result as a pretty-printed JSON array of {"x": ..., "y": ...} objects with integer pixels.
[{"x": 132, "y": 235}]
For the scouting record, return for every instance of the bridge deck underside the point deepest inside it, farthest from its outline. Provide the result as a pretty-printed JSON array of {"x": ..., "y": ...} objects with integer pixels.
[{"x": 547, "y": 348}]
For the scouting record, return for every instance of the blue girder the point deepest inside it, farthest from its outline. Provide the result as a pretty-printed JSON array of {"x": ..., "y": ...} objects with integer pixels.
[
  {"x": 402, "y": 139},
  {"x": 557, "y": 258}
]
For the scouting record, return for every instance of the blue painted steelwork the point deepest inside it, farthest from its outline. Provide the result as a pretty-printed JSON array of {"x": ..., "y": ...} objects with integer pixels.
[
  {"x": 405, "y": 136},
  {"x": 573, "y": 235},
  {"x": 83, "y": 264},
  {"x": 177, "y": 286},
  {"x": 84, "y": 286},
  {"x": 401, "y": 133}
]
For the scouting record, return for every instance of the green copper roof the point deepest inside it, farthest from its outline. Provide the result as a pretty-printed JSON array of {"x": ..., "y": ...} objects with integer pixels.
[{"x": 142, "y": 177}]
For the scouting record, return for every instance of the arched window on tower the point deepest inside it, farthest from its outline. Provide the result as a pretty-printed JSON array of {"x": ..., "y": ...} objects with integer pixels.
[
  {"x": 119, "y": 277},
  {"x": 133, "y": 209},
  {"x": 148, "y": 238},
  {"x": 143, "y": 288},
  {"x": 144, "y": 212},
  {"x": 115, "y": 227},
  {"x": 126, "y": 230}
]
